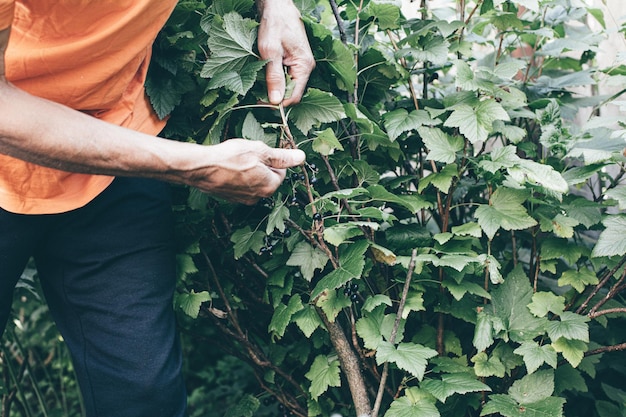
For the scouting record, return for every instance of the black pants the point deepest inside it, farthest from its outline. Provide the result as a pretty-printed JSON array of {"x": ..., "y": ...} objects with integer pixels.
[{"x": 108, "y": 275}]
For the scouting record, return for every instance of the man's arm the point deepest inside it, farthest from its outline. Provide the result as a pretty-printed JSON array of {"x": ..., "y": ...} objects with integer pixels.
[
  {"x": 283, "y": 41},
  {"x": 52, "y": 135}
]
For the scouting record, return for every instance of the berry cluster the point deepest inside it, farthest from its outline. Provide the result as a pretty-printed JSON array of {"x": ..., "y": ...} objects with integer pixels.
[{"x": 351, "y": 291}]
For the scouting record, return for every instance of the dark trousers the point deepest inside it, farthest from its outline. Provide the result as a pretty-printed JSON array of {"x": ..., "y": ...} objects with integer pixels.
[{"x": 108, "y": 274}]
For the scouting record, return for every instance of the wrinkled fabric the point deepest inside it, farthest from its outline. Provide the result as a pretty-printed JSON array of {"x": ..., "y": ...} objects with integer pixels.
[{"x": 90, "y": 56}]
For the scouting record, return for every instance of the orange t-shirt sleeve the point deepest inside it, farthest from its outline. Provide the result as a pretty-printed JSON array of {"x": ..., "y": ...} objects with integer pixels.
[{"x": 6, "y": 13}]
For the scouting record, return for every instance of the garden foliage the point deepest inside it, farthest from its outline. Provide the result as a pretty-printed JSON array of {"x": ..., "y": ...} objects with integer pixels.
[{"x": 454, "y": 244}]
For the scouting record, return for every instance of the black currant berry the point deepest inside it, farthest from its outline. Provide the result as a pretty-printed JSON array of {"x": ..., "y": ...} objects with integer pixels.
[
  {"x": 295, "y": 176},
  {"x": 354, "y": 297},
  {"x": 317, "y": 217},
  {"x": 313, "y": 180},
  {"x": 287, "y": 233}
]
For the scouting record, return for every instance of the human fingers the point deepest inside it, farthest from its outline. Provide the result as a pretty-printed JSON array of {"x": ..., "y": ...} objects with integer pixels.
[{"x": 278, "y": 158}]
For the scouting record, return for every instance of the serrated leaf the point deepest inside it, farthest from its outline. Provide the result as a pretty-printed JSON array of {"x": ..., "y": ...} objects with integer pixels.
[
  {"x": 376, "y": 300},
  {"x": 277, "y": 217},
  {"x": 341, "y": 232},
  {"x": 612, "y": 240},
  {"x": 185, "y": 265},
  {"x": 458, "y": 290},
  {"x": 505, "y": 211},
  {"x": 325, "y": 143},
  {"x": 572, "y": 350},
  {"x": 410, "y": 357},
  {"x": 486, "y": 366},
  {"x": 415, "y": 403},
  {"x": 253, "y": 130},
  {"x": 190, "y": 302},
  {"x": 412, "y": 202},
  {"x": 308, "y": 259},
  {"x": 544, "y": 302},
  {"x": 619, "y": 194},
  {"x": 231, "y": 41},
  {"x": 535, "y": 355},
  {"x": 369, "y": 328},
  {"x": 510, "y": 302},
  {"x": 351, "y": 264},
  {"x": 578, "y": 279},
  {"x": 450, "y": 384},
  {"x": 324, "y": 373},
  {"x": 246, "y": 407},
  {"x": 441, "y": 146},
  {"x": 240, "y": 81},
  {"x": 316, "y": 107},
  {"x": 570, "y": 326},
  {"x": 386, "y": 15},
  {"x": 475, "y": 123},
  {"x": 442, "y": 180},
  {"x": 307, "y": 320},
  {"x": 283, "y": 314},
  {"x": 506, "y": 406},
  {"x": 332, "y": 304},
  {"x": 533, "y": 387},
  {"x": 247, "y": 239},
  {"x": 399, "y": 121}
]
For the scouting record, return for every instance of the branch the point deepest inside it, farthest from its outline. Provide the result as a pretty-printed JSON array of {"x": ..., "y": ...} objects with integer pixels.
[
  {"x": 602, "y": 283},
  {"x": 394, "y": 332},
  {"x": 607, "y": 311},
  {"x": 350, "y": 365},
  {"x": 614, "y": 348}
]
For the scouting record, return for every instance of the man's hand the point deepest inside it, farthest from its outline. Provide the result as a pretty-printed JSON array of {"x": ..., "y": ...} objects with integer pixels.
[
  {"x": 283, "y": 41},
  {"x": 244, "y": 171}
]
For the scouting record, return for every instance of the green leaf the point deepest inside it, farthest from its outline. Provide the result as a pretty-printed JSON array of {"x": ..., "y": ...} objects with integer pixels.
[
  {"x": 619, "y": 194},
  {"x": 247, "y": 239},
  {"x": 231, "y": 42},
  {"x": 341, "y": 232},
  {"x": 475, "y": 123},
  {"x": 486, "y": 366},
  {"x": 307, "y": 320},
  {"x": 283, "y": 314},
  {"x": 509, "y": 302},
  {"x": 386, "y": 15},
  {"x": 369, "y": 328},
  {"x": 325, "y": 143},
  {"x": 415, "y": 403},
  {"x": 185, "y": 265},
  {"x": 252, "y": 129},
  {"x": 399, "y": 121},
  {"x": 410, "y": 357},
  {"x": 535, "y": 355},
  {"x": 316, "y": 107},
  {"x": 504, "y": 405},
  {"x": 500, "y": 158},
  {"x": 442, "y": 147},
  {"x": 570, "y": 326},
  {"x": 351, "y": 264},
  {"x": 458, "y": 290},
  {"x": 412, "y": 202},
  {"x": 190, "y": 302},
  {"x": 240, "y": 81},
  {"x": 375, "y": 301},
  {"x": 324, "y": 373},
  {"x": 277, "y": 218},
  {"x": 505, "y": 211},
  {"x": 578, "y": 279},
  {"x": 533, "y": 387},
  {"x": 332, "y": 304},
  {"x": 544, "y": 302},
  {"x": 308, "y": 259},
  {"x": 450, "y": 384},
  {"x": 612, "y": 240},
  {"x": 572, "y": 350},
  {"x": 442, "y": 180},
  {"x": 246, "y": 407}
]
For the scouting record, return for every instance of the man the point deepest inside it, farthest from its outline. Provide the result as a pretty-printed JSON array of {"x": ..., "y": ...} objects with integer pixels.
[{"x": 81, "y": 190}]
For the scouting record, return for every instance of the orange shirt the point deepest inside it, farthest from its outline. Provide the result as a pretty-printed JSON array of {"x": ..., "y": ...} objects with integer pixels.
[{"x": 91, "y": 56}]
